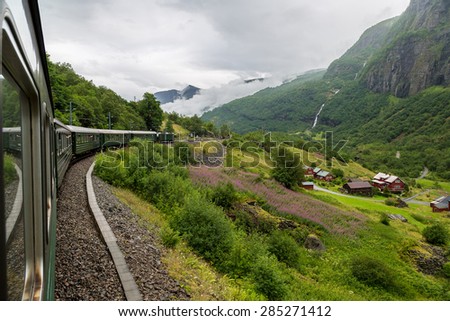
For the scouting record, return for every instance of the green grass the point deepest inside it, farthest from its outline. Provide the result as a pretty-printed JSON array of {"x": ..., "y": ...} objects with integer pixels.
[
  {"x": 317, "y": 275},
  {"x": 196, "y": 276}
]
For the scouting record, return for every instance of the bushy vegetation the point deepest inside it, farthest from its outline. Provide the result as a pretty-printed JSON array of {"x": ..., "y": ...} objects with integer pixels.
[
  {"x": 436, "y": 234},
  {"x": 205, "y": 227},
  {"x": 218, "y": 215},
  {"x": 224, "y": 195},
  {"x": 97, "y": 107},
  {"x": 285, "y": 248},
  {"x": 373, "y": 272},
  {"x": 9, "y": 172},
  {"x": 194, "y": 214},
  {"x": 288, "y": 169}
]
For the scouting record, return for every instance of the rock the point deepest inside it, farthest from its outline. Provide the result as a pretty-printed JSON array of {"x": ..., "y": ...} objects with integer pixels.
[
  {"x": 397, "y": 217},
  {"x": 313, "y": 242},
  {"x": 429, "y": 259}
]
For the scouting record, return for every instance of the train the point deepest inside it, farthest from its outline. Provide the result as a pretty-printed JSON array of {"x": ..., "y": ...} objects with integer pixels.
[{"x": 37, "y": 150}]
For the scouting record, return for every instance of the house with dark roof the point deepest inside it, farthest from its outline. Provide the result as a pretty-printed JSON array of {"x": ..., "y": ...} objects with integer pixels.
[
  {"x": 360, "y": 188},
  {"x": 441, "y": 204}
]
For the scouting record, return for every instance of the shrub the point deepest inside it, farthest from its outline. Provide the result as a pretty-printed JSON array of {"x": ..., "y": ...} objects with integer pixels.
[
  {"x": 384, "y": 219},
  {"x": 446, "y": 269},
  {"x": 390, "y": 202},
  {"x": 183, "y": 153},
  {"x": 337, "y": 172},
  {"x": 436, "y": 234},
  {"x": 300, "y": 234},
  {"x": 205, "y": 228},
  {"x": 284, "y": 247},
  {"x": 268, "y": 278},
  {"x": 169, "y": 237},
  {"x": 372, "y": 272},
  {"x": 241, "y": 258},
  {"x": 251, "y": 223},
  {"x": 224, "y": 195}
]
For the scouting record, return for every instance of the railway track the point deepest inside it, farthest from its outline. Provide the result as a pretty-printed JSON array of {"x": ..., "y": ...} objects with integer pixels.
[{"x": 85, "y": 268}]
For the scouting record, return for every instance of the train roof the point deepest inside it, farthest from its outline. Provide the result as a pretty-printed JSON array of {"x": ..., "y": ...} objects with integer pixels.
[
  {"x": 143, "y": 132},
  {"x": 11, "y": 129},
  {"x": 78, "y": 129},
  {"x": 60, "y": 124}
]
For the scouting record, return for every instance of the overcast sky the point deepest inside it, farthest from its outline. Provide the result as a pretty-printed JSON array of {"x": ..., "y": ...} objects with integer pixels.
[{"x": 138, "y": 46}]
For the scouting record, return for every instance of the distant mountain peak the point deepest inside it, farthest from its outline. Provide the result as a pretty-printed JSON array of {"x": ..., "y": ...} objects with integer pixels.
[{"x": 169, "y": 96}]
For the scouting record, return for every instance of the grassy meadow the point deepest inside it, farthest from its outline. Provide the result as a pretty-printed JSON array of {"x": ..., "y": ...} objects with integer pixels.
[{"x": 233, "y": 233}]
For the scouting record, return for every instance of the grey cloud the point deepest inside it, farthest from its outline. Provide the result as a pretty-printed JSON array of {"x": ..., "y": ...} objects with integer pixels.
[{"x": 134, "y": 46}]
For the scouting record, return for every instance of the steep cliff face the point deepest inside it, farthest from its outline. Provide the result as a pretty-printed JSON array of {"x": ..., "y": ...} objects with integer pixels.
[
  {"x": 417, "y": 53},
  {"x": 425, "y": 14},
  {"x": 403, "y": 55},
  {"x": 353, "y": 61}
]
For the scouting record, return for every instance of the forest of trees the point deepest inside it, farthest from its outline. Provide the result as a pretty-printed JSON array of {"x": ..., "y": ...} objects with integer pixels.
[{"x": 79, "y": 102}]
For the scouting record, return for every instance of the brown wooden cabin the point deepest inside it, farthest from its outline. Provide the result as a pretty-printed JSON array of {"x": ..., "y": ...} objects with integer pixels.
[
  {"x": 360, "y": 188},
  {"x": 308, "y": 185}
]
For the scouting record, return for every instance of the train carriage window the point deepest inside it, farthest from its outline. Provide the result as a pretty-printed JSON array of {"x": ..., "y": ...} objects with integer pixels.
[{"x": 13, "y": 188}]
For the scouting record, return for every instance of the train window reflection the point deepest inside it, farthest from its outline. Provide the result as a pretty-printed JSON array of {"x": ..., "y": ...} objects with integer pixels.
[{"x": 13, "y": 189}]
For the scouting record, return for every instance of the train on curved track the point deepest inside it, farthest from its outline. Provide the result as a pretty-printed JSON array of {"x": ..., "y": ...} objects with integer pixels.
[{"x": 36, "y": 150}]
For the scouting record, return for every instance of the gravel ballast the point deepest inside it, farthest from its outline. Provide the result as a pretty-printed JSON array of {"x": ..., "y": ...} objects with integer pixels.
[{"x": 84, "y": 268}]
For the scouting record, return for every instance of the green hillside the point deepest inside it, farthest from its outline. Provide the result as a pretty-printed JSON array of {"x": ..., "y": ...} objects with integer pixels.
[
  {"x": 80, "y": 102},
  {"x": 388, "y": 96},
  {"x": 290, "y": 107}
]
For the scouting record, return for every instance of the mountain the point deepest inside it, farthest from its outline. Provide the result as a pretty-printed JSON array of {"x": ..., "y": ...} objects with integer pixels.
[
  {"x": 274, "y": 109},
  {"x": 417, "y": 55},
  {"x": 388, "y": 95},
  {"x": 169, "y": 96}
]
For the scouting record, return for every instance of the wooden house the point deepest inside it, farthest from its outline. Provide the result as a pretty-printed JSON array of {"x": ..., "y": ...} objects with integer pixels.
[
  {"x": 441, "y": 204},
  {"x": 309, "y": 171},
  {"x": 308, "y": 185},
  {"x": 361, "y": 188},
  {"x": 324, "y": 176},
  {"x": 390, "y": 182}
]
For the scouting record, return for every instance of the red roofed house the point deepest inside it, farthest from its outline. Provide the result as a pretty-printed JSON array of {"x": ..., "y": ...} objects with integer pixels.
[
  {"x": 441, "y": 204},
  {"x": 309, "y": 171},
  {"x": 391, "y": 182}
]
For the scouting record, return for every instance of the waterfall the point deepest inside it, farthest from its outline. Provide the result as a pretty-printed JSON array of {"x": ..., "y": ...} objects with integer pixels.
[{"x": 317, "y": 116}]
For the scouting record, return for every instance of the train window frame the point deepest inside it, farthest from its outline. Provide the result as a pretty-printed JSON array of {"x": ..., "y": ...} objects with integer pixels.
[{"x": 15, "y": 68}]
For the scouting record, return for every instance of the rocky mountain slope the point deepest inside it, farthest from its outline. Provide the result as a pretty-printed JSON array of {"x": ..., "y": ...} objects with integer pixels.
[
  {"x": 169, "y": 96},
  {"x": 417, "y": 54},
  {"x": 388, "y": 93}
]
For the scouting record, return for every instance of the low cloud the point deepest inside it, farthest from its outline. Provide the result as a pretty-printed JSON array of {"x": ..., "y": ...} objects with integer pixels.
[
  {"x": 211, "y": 98},
  {"x": 140, "y": 46}
]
